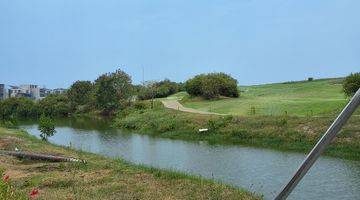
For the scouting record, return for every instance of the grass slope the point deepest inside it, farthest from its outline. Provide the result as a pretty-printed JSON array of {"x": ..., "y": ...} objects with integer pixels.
[
  {"x": 319, "y": 97},
  {"x": 100, "y": 178}
]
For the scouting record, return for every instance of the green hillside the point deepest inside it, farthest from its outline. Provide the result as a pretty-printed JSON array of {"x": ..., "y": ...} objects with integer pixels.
[{"x": 319, "y": 97}]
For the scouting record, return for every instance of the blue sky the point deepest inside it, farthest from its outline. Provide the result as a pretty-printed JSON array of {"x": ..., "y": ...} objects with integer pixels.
[{"x": 57, "y": 42}]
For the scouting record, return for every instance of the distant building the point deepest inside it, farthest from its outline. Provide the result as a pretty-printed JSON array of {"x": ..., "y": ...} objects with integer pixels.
[
  {"x": 3, "y": 92},
  {"x": 34, "y": 90},
  {"x": 17, "y": 92},
  {"x": 44, "y": 92},
  {"x": 59, "y": 91},
  {"x": 27, "y": 91}
]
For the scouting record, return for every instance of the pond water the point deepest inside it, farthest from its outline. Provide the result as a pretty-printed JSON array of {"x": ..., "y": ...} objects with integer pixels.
[{"x": 262, "y": 171}]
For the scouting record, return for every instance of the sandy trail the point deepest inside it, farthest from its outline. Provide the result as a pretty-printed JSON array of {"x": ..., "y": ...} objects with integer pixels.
[{"x": 174, "y": 104}]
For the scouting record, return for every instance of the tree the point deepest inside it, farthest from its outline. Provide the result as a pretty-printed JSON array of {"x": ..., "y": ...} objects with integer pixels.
[
  {"x": 194, "y": 86},
  {"x": 152, "y": 89},
  {"x": 110, "y": 88},
  {"x": 155, "y": 89},
  {"x": 54, "y": 105},
  {"x": 212, "y": 85},
  {"x": 351, "y": 84},
  {"x": 80, "y": 93},
  {"x": 17, "y": 107},
  {"x": 46, "y": 127}
]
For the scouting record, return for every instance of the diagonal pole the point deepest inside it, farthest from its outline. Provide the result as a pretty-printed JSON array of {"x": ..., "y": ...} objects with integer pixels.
[{"x": 320, "y": 146}]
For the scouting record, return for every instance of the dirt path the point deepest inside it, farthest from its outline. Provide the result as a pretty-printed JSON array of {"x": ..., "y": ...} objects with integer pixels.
[{"x": 174, "y": 104}]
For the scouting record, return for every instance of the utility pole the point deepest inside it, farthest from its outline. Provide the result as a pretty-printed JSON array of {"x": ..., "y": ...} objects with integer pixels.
[{"x": 320, "y": 146}]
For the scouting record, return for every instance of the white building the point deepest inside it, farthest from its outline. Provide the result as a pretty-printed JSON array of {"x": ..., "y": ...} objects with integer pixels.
[
  {"x": 59, "y": 91},
  {"x": 17, "y": 92},
  {"x": 28, "y": 91},
  {"x": 33, "y": 89}
]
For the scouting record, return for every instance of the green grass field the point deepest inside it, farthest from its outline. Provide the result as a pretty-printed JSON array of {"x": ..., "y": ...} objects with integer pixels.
[{"x": 315, "y": 98}]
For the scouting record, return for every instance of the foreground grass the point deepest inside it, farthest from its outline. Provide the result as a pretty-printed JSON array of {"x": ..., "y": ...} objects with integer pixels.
[
  {"x": 100, "y": 178},
  {"x": 314, "y": 98},
  {"x": 280, "y": 132}
]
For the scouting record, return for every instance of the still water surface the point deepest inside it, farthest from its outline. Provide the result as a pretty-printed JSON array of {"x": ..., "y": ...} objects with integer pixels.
[{"x": 262, "y": 171}]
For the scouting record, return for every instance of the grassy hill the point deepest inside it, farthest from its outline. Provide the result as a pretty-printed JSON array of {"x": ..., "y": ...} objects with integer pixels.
[{"x": 306, "y": 98}]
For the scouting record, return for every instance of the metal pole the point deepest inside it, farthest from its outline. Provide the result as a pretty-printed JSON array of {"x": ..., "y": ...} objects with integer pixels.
[{"x": 320, "y": 146}]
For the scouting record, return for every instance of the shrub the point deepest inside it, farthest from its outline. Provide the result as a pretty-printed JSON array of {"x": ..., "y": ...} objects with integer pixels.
[
  {"x": 140, "y": 105},
  {"x": 310, "y": 79},
  {"x": 213, "y": 85},
  {"x": 351, "y": 84},
  {"x": 219, "y": 123},
  {"x": 213, "y": 126}
]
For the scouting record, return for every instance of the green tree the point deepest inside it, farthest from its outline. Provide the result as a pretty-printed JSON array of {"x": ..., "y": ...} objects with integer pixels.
[
  {"x": 17, "y": 107},
  {"x": 351, "y": 84},
  {"x": 155, "y": 89},
  {"x": 54, "y": 105},
  {"x": 212, "y": 85},
  {"x": 46, "y": 127},
  {"x": 80, "y": 93},
  {"x": 110, "y": 88},
  {"x": 194, "y": 86}
]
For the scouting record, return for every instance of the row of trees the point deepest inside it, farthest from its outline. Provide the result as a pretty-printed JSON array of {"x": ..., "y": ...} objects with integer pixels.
[
  {"x": 107, "y": 94},
  {"x": 113, "y": 91},
  {"x": 53, "y": 105}
]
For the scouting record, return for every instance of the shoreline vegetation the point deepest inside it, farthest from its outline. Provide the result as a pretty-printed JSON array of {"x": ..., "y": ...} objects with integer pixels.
[
  {"x": 290, "y": 133},
  {"x": 100, "y": 177}
]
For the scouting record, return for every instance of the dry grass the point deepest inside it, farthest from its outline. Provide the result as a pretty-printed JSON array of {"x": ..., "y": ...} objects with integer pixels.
[{"x": 100, "y": 178}]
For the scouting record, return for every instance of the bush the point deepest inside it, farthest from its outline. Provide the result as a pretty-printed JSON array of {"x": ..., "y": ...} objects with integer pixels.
[
  {"x": 219, "y": 123},
  {"x": 310, "y": 79},
  {"x": 140, "y": 105},
  {"x": 213, "y": 85},
  {"x": 351, "y": 84}
]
